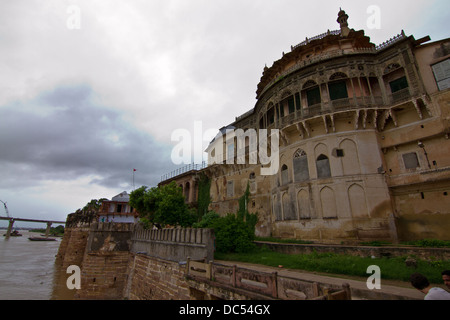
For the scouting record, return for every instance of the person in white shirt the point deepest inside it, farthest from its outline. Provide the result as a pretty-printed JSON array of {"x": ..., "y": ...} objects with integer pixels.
[
  {"x": 446, "y": 278},
  {"x": 421, "y": 283}
]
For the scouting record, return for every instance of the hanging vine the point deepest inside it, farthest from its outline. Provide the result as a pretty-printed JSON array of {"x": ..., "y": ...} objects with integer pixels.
[{"x": 204, "y": 196}]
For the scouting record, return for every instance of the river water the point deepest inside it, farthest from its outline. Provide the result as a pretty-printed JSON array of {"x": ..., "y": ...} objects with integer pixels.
[{"x": 27, "y": 268}]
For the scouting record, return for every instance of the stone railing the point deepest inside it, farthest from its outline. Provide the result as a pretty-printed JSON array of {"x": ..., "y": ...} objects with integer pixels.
[
  {"x": 320, "y": 36},
  {"x": 331, "y": 54},
  {"x": 182, "y": 170},
  {"x": 174, "y": 244},
  {"x": 271, "y": 285}
]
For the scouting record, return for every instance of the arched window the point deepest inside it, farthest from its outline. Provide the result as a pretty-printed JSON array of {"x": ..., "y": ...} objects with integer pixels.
[
  {"x": 284, "y": 175},
  {"x": 312, "y": 93},
  {"x": 313, "y": 96},
  {"x": 301, "y": 171},
  {"x": 271, "y": 114},
  {"x": 358, "y": 203},
  {"x": 328, "y": 201},
  {"x": 323, "y": 167},
  {"x": 276, "y": 208},
  {"x": 288, "y": 208},
  {"x": 187, "y": 191},
  {"x": 338, "y": 76},
  {"x": 338, "y": 90},
  {"x": 303, "y": 204}
]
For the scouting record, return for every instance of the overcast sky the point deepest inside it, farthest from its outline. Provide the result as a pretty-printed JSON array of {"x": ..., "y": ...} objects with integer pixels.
[{"x": 91, "y": 89}]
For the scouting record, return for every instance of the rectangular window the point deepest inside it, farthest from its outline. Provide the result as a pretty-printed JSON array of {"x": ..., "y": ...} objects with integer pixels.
[
  {"x": 298, "y": 103},
  {"x": 338, "y": 90},
  {"x": 291, "y": 104},
  {"x": 271, "y": 116},
  {"x": 441, "y": 71},
  {"x": 301, "y": 170},
  {"x": 230, "y": 152},
  {"x": 313, "y": 96},
  {"x": 410, "y": 160},
  {"x": 119, "y": 208},
  {"x": 398, "y": 84},
  {"x": 230, "y": 189}
]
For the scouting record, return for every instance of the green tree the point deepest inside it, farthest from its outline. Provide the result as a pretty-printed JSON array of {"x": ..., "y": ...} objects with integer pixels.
[
  {"x": 164, "y": 205},
  {"x": 233, "y": 234},
  {"x": 92, "y": 206}
]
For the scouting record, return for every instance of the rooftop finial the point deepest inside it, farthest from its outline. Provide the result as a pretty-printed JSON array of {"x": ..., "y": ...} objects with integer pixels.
[{"x": 342, "y": 20}]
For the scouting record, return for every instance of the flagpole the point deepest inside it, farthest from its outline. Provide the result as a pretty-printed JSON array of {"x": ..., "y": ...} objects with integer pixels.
[{"x": 133, "y": 178}]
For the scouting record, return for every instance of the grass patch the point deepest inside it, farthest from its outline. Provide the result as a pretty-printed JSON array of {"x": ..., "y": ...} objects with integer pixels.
[
  {"x": 391, "y": 268},
  {"x": 429, "y": 243},
  {"x": 276, "y": 240}
]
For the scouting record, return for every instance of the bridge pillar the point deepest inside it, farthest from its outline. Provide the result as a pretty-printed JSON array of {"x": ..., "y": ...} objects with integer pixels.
[
  {"x": 10, "y": 226},
  {"x": 47, "y": 231}
]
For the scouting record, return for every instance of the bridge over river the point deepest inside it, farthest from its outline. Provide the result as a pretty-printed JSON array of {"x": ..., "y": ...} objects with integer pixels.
[{"x": 12, "y": 220}]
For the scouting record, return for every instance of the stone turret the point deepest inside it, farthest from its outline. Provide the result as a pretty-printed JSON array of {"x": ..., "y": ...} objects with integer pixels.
[{"x": 342, "y": 20}]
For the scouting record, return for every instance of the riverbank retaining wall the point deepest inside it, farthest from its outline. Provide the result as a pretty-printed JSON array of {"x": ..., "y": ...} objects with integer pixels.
[{"x": 123, "y": 261}]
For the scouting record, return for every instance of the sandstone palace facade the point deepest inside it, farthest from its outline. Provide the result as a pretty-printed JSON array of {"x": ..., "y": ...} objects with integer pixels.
[{"x": 364, "y": 150}]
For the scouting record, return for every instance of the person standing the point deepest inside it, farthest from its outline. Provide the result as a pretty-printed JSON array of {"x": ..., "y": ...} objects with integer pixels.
[
  {"x": 421, "y": 283},
  {"x": 446, "y": 278}
]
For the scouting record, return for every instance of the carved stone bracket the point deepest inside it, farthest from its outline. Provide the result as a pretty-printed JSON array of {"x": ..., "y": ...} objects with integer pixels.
[
  {"x": 306, "y": 128},
  {"x": 427, "y": 101},
  {"x": 385, "y": 117},
  {"x": 324, "y": 118},
  {"x": 394, "y": 117},
  {"x": 365, "y": 118},
  {"x": 357, "y": 119},
  {"x": 301, "y": 130},
  {"x": 332, "y": 122},
  {"x": 417, "y": 106},
  {"x": 375, "y": 119}
]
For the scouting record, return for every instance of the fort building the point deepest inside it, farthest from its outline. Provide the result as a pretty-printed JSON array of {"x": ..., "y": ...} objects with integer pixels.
[
  {"x": 118, "y": 210},
  {"x": 364, "y": 151}
]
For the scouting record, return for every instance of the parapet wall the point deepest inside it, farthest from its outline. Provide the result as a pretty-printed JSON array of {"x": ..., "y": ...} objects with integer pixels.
[
  {"x": 110, "y": 257},
  {"x": 174, "y": 244}
]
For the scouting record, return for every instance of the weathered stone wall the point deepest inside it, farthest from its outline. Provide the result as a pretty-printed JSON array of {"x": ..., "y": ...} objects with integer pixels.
[
  {"x": 71, "y": 251},
  {"x": 72, "y": 248},
  {"x": 103, "y": 276},
  {"x": 362, "y": 251},
  {"x": 120, "y": 261},
  {"x": 104, "y": 266},
  {"x": 151, "y": 278}
]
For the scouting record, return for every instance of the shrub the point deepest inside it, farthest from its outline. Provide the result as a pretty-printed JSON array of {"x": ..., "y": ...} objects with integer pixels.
[
  {"x": 207, "y": 220},
  {"x": 232, "y": 233}
]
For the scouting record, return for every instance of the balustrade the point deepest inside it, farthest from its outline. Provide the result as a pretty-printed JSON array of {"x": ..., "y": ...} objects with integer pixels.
[{"x": 269, "y": 284}]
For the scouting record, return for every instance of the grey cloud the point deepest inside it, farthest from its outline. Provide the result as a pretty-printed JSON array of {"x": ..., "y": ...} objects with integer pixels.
[{"x": 63, "y": 134}]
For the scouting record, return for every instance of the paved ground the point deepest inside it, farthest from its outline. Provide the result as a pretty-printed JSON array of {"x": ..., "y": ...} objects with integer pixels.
[{"x": 390, "y": 290}]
